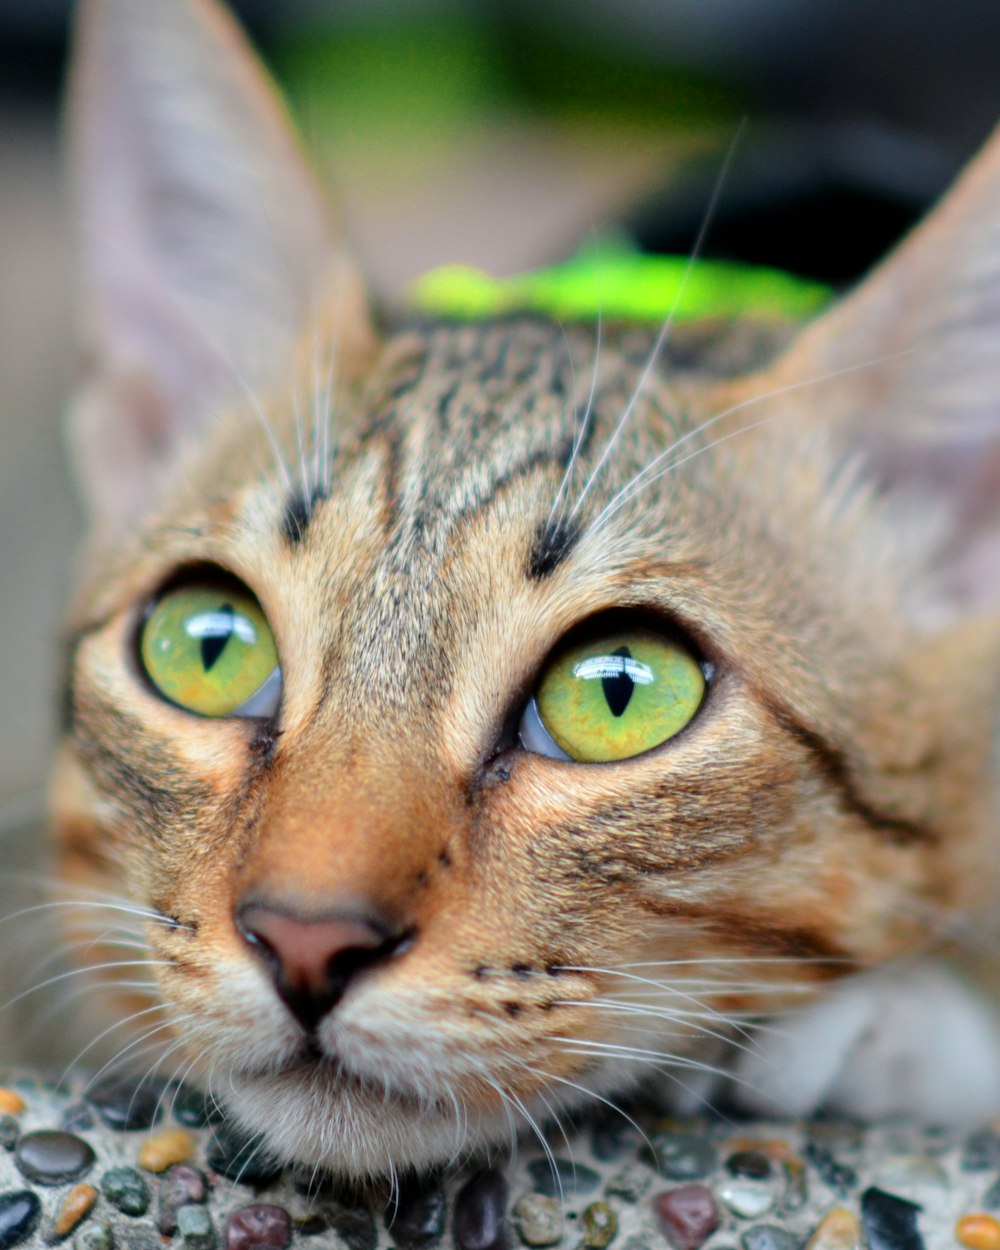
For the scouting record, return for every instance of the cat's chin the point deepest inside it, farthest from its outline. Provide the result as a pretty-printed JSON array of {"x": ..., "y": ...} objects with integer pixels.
[
  {"x": 314, "y": 1112},
  {"x": 327, "y": 1075}
]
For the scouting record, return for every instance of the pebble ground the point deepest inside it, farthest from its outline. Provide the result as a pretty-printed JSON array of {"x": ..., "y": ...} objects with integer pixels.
[{"x": 113, "y": 1166}]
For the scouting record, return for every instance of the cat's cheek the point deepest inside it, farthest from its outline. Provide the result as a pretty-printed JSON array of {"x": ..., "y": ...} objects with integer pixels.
[{"x": 80, "y": 815}]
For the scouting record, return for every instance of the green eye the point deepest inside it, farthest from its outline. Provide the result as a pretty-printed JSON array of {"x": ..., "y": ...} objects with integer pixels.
[
  {"x": 210, "y": 650},
  {"x": 615, "y": 696}
]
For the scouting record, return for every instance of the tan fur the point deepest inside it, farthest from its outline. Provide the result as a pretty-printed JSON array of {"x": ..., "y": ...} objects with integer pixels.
[{"x": 829, "y": 808}]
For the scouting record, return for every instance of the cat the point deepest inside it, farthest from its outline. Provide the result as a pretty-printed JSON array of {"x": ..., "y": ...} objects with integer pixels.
[{"x": 473, "y": 722}]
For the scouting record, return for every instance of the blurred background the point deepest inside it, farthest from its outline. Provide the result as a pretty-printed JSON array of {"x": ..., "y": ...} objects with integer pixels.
[{"x": 499, "y": 133}]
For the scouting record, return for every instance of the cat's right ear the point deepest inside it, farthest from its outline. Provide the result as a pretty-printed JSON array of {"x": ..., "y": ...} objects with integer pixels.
[
  {"x": 207, "y": 246},
  {"x": 905, "y": 374}
]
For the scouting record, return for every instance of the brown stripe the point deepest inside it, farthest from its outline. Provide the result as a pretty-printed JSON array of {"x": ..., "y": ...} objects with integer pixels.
[
  {"x": 553, "y": 544},
  {"x": 129, "y": 763},
  {"x": 70, "y": 648},
  {"x": 736, "y": 930},
  {"x": 835, "y": 767},
  {"x": 298, "y": 512}
]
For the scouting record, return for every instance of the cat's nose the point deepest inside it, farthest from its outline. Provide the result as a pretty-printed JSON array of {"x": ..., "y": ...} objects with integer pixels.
[{"x": 312, "y": 959}]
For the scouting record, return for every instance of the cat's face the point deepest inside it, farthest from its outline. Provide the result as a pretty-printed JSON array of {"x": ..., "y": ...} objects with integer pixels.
[{"x": 389, "y": 919}]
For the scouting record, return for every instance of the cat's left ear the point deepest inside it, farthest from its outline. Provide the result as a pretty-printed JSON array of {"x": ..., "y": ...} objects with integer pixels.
[
  {"x": 919, "y": 396},
  {"x": 207, "y": 246}
]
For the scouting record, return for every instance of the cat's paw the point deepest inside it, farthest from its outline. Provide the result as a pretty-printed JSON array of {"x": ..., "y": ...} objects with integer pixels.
[{"x": 911, "y": 1039}]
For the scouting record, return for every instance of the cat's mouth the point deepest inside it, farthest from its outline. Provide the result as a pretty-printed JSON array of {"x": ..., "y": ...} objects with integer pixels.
[{"x": 330, "y": 1074}]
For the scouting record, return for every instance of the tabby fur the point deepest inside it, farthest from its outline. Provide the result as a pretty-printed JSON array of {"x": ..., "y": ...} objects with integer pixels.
[{"x": 424, "y": 512}]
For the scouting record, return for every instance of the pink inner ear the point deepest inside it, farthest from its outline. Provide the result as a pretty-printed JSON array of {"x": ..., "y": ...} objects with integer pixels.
[
  {"x": 965, "y": 474},
  {"x": 918, "y": 398},
  {"x": 960, "y": 482},
  {"x": 208, "y": 246}
]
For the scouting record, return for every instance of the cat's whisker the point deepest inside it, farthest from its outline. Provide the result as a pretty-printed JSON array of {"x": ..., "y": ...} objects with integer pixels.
[
  {"x": 104, "y": 941},
  {"x": 179, "y": 1077},
  {"x": 491, "y": 1083},
  {"x": 84, "y": 905},
  {"x": 333, "y": 347},
  {"x": 319, "y": 417},
  {"x": 697, "y": 1012},
  {"x": 686, "y": 984},
  {"x": 685, "y": 993},
  {"x": 721, "y": 989},
  {"x": 40, "y": 1021},
  {"x": 300, "y": 446},
  {"x": 254, "y": 1149},
  {"x": 460, "y": 1123},
  {"x": 252, "y": 397},
  {"x": 553, "y": 1118},
  {"x": 58, "y": 956},
  {"x": 124, "y": 1022},
  {"x": 691, "y": 1018},
  {"x": 582, "y": 425},
  {"x": 794, "y": 961},
  {"x": 56, "y": 951},
  {"x": 98, "y": 935},
  {"x": 747, "y": 1022},
  {"x": 689, "y": 1021},
  {"x": 152, "y": 1071},
  {"x": 119, "y": 1057},
  {"x": 78, "y": 892},
  {"x": 395, "y": 1192},
  {"x": 66, "y": 998},
  {"x": 593, "y": 1095},
  {"x": 312, "y": 1187},
  {"x": 664, "y": 1063},
  {"x": 663, "y": 336},
  {"x": 657, "y": 469},
  {"x": 85, "y": 971},
  {"x": 539, "y": 1135},
  {"x": 128, "y": 1058},
  {"x": 210, "y": 1090},
  {"x": 619, "y": 1049}
]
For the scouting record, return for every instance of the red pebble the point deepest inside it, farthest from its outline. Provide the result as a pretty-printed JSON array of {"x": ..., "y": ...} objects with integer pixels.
[
  {"x": 687, "y": 1215},
  {"x": 261, "y": 1226}
]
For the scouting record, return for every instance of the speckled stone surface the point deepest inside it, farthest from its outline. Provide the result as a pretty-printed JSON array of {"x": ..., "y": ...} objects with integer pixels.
[{"x": 103, "y": 1172}]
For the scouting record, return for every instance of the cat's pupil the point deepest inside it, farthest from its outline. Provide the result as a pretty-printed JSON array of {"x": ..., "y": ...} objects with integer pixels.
[
  {"x": 218, "y": 629},
  {"x": 618, "y": 688}
]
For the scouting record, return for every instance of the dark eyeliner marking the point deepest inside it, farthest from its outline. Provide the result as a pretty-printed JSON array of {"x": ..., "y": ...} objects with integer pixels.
[
  {"x": 553, "y": 544},
  {"x": 67, "y": 700},
  {"x": 296, "y": 518},
  {"x": 298, "y": 513},
  {"x": 835, "y": 766}
]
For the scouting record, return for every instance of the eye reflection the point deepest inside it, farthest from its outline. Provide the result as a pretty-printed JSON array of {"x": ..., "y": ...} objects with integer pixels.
[
  {"x": 612, "y": 666},
  {"x": 222, "y": 623}
]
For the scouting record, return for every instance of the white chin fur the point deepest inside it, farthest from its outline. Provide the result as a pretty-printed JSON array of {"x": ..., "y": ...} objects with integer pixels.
[{"x": 308, "y": 1117}]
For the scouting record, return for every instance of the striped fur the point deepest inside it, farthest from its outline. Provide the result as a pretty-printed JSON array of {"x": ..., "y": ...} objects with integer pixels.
[{"x": 423, "y": 517}]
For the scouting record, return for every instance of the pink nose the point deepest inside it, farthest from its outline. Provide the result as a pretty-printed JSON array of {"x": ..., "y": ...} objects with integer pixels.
[{"x": 312, "y": 959}]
